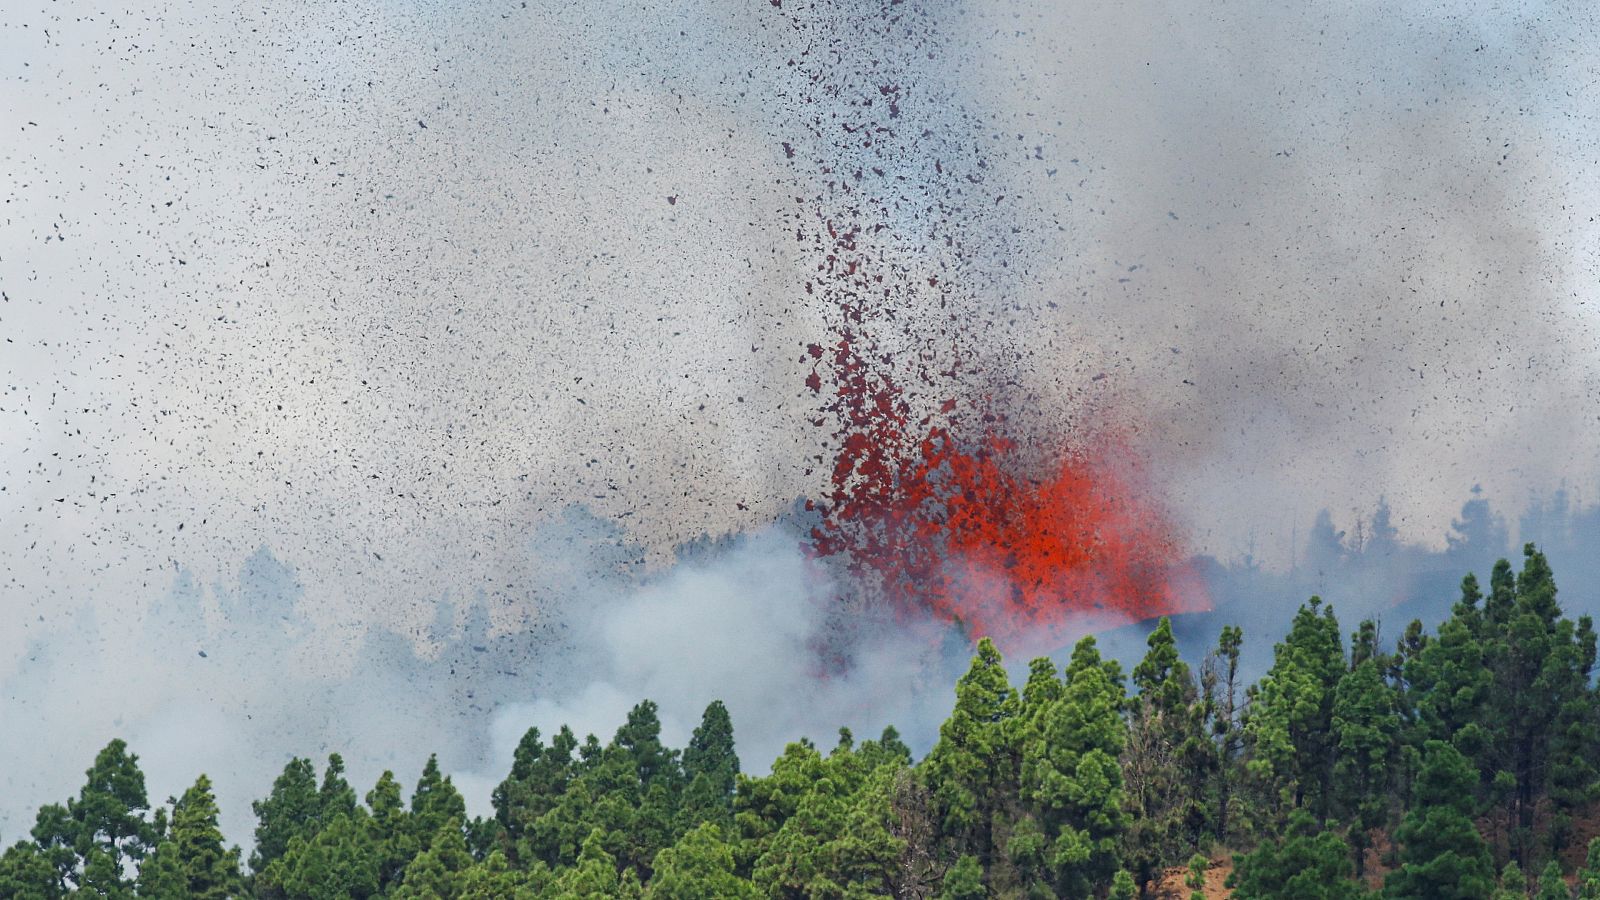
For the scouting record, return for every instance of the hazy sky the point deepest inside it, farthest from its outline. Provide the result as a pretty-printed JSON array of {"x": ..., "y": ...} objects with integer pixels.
[{"x": 381, "y": 286}]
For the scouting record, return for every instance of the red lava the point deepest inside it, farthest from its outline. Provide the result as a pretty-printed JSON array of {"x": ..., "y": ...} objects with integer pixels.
[{"x": 958, "y": 524}]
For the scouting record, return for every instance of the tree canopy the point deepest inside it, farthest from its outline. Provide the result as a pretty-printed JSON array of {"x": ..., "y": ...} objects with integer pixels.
[{"x": 1455, "y": 765}]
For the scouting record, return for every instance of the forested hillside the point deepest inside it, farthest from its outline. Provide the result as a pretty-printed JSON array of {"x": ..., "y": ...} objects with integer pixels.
[{"x": 1457, "y": 762}]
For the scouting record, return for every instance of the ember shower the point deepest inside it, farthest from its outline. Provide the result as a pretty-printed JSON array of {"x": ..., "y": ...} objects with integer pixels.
[
  {"x": 941, "y": 499},
  {"x": 407, "y": 354}
]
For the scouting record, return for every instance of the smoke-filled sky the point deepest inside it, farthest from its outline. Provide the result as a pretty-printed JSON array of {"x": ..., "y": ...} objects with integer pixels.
[{"x": 384, "y": 288}]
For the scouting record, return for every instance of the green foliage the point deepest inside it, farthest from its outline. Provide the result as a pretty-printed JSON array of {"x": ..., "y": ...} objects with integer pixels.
[
  {"x": 1307, "y": 864},
  {"x": 1219, "y": 684},
  {"x": 98, "y": 835},
  {"x": 1365, "y": 727},
  {"x": 494, "y": 879},
  {"x": 335, "y": 798},
  {"x": 763, "y": 805},
  {"x": 838, "y": 841},
  {"x": 539, "y": 777},
  {"x": 594, "y": 876},
  {"x": 438, "y": 871},
  {"x": 1474, "y": 745},
  {"x": 1290, "y": 727},
  {"x": 191, "y": 861},
  {"x": 1551, "y": 885},
  {"x": 974, "y": 765},
  {"x": 340, "y": 860},
  {"x": 964, "y": 881},
  {"x": 1589, "y": 876},
  {"x": 1540, "y": 716},
  {"x": 292, "y": 809},
  {"x": 1122, "y": 886},
  {"x": 1442, "y": 854},
  {"x": 1588, "y": 886},
  {"x": 711, "y": 770},
  {"x": 395, "y": 842},
  {"x": 1195, "y": 881},
  {"x": 1513, "y": 885},
  {"x": 710, "y": 752},
  {"x": 435, "y": 804},
  {"x": 26, "y": 873},
  {"x": 1167, "y": 762},
  {"x": 699, "y": 865},
  {"x": 1448, "y": 678},
  {"x": 1071, "y": 787}
]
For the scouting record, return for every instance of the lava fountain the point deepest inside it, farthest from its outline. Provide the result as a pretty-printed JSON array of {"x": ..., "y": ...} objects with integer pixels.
[
  {"x": 939, "y": 501},
  {"x": 940, "y": 517}
]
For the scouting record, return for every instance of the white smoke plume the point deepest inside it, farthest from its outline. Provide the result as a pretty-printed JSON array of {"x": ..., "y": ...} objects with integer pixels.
[
  {"x": 382, "y": 293},
  {"x": 745, "y": 621}
]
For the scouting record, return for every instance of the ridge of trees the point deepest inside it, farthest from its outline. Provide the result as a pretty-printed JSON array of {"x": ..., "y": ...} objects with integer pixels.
[{"x": 1455, "y": 763}]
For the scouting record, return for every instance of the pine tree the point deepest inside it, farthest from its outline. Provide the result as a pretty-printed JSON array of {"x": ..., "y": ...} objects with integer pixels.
[
  {"x": 1540, "y": 664},
  {"x": 342, "y": 860},
  {"x": 839, "y": 841},
  {"x": 699, "y": 865},
  {"x": 1220, "y": 687},
  {"x": 1365, "y": 727},
  {"x": 640, "y": 737},
  {"x": 973, "y": 766},
  {"x": 107, "y": 824},
  {"x": 438, "y": 870},
  {"x": 1043, "y": 688},
  {"x": 711, "y": 768},
  {"x": 394, "y": 839},
  {"x": 1589, "y": 875},
  {"x": 1573, "y": 776},
  {"x": 594, "y": 876},
  {"x": 1551, "y": 885},
  {"x": 1290, "y": 726},
  {"x": 1307, "y": 864},
  {"x": 191, "y": 863},
  {"x": 964, "y": 880},
  {"x": 710, "y": 751},
  {"x": 1167, "y": 761},
  {"x": 291, "y": 809},
  {"x": 26, "y": 874},
  {"x": 1442, "y": 854},
  {"x": 1449, "y": 681},
  {"x": 762, "y": 805},
  {"x": 1196, "y": 880},
  {"x": 336, "y": 797},
  {"x": 1513, "y": 885},
  {"x": 495, "y": 879},
  {"x": 103, "y": 877},
  {"x": 1071, "y": 781},
  {"x": 1364, "y": 645},
  {"x": 435, "y": 803},
  {"x": 539, "y": 776},
  {"x": 484, "y": 836}
]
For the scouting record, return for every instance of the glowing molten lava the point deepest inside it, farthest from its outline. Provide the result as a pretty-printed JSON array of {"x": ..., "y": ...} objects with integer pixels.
[
  {"x": 1028, "y": 552},
  {"x": 938, "y": 504}
]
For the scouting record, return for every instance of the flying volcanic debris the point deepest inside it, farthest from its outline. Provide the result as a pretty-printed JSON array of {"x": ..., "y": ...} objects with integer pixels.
[{"x": 940, "y": 499}]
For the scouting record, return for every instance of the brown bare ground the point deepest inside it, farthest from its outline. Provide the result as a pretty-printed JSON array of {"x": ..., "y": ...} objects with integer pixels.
[{"x": 1171, "y": 885}]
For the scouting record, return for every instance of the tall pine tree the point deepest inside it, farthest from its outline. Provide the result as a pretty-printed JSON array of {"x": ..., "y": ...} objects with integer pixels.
[{"x": 191, "y": 862}]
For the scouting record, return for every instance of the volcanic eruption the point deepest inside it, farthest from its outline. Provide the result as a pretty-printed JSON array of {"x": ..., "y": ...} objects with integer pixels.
[{"x": 941, "y": 499}]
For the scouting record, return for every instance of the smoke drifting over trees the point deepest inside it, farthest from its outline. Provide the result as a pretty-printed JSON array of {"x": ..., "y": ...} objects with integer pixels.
[
  {"x": 232, "y": 678},
  {"x": 317, "y": 326},
  {"x": 1347, "y": 769}
]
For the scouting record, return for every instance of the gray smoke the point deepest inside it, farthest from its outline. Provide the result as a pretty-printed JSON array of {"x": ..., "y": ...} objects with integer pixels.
[
  {"x": 1327, "y": 252},
  {"x": 311, "y": 319},
  {"x": 231, "y": 680}
]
